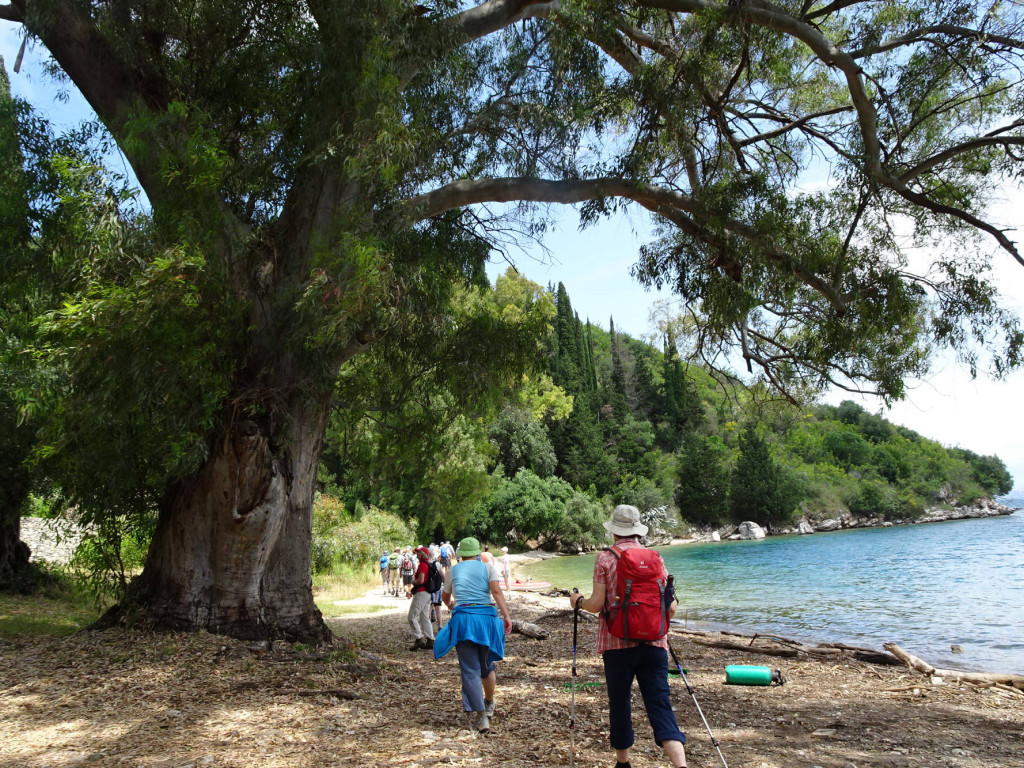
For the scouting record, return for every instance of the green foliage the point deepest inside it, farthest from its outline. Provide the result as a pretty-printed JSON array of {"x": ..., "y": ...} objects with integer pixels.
[
  {"x": 988, "y": 471},
  {"x": 761, "y": 488},
  {"x": 525, "y": 507},
  {"x": 702, "y": 494},
  {"x": 582, "y": 524},
  {"x": 112, "y": 551},
  {"x": 522, "y": 443},
  {"x": 412, "y": 437},
  {"x": 640, "y": 492},
  {"x": 876, "y": 499},
  {"x": 341, "y": 539},
  {"x": 848, "y": 448}
]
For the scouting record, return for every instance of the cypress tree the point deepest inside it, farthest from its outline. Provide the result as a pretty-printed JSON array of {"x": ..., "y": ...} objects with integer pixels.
[{"x": 566, "y": 372}]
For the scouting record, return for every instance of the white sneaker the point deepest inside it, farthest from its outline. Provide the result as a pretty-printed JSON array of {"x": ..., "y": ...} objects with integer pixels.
[
  {"x": 483, "y": 724},
  {"x": 489, "y": 707}
]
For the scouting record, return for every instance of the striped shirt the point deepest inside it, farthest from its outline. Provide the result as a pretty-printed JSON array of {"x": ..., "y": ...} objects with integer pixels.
[{"x": 605, "y": 572}]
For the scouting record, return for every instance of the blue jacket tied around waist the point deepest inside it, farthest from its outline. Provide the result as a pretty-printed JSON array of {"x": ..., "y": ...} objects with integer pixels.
[{"x": 477, "y": 623}]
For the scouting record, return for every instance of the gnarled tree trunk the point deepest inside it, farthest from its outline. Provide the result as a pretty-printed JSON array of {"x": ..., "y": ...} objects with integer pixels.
[
  {"x": 16, "y": 573},
  {"x": 231, "y": 553}
]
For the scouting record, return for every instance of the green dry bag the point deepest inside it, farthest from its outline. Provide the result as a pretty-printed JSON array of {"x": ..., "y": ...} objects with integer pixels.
[{"x": 740, "y": 674}]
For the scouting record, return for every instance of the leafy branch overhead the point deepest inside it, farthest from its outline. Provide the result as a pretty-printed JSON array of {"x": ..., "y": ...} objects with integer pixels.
[{"x": 718, "y": 118}]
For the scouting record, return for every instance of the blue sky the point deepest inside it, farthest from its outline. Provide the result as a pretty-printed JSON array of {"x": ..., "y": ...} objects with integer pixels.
[{"x": 982, "y": 415}]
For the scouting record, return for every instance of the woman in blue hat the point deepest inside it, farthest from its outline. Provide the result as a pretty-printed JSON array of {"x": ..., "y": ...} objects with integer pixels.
[{"x": 472, "y": 590}]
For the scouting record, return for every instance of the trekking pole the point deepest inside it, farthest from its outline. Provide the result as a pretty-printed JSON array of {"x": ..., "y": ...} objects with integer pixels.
[
  {"x": 689, "y": 688},
  {"x": 572, "y": 710}
]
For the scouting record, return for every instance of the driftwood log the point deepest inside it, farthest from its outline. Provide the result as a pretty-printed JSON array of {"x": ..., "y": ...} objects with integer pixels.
[
  {"x": 789, "y": 653},
  {"x": 795, "y": 649},
  {"x": 975, "y": 678}
]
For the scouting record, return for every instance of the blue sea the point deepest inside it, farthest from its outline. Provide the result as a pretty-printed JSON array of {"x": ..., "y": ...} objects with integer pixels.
[{"x": 925, "y": 587}]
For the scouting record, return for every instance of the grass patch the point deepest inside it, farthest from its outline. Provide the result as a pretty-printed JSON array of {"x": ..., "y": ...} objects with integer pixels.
[
  {"x": 54, "y": 611},
  {"x": 332, "y": 611},
  {"x": 343, "y": 583}
]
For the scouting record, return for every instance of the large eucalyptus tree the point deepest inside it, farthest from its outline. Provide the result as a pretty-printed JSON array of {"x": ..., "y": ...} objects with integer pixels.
[{"x": 300, "y": 153}]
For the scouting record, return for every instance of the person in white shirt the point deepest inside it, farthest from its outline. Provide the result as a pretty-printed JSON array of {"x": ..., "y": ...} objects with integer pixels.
[{"x": 506, "y": 567}]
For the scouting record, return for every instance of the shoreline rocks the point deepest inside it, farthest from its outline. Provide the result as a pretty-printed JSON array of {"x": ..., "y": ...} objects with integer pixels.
[
  {"x": 981, "y": 509},
  {"x": 806, "y": 526}
]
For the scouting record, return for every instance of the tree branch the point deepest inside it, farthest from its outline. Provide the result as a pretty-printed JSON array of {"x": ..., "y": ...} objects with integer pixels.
[
  {"x": 113, "y": 89},
  {"x": 838, "y": 5},
  {"x": 768, "y": 16},
  {"x": 12, "y": 13},
  {"x": 941, "y": 29},
  {"x": 925, "y": 202},
  {"x": 959, "y": 149},
  {"x": 675, "y": 206},
  {"x": 489, "y": 17},
  {"x": 792, "y": 125}
]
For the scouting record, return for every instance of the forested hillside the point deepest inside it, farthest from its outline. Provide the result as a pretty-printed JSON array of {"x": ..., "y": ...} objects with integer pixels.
[{"x": 519, "y": 441}]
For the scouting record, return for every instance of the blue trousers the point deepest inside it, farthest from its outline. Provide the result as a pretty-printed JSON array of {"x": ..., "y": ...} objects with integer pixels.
[
  {"x": 474, "y": 665},
  {"x": 649, "y": 665}
]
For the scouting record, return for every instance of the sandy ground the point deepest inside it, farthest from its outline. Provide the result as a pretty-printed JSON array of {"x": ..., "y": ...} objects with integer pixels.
[{"x": 131, "y": 698}]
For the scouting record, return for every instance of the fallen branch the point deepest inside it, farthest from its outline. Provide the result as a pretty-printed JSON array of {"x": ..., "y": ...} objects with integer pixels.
[
  {"x": 338, "y": 693},
  {"x": 530, "y": 630},
  {"x": 789, "y": 653},
  {"x": 982, "y": 678},
  {"x": 1008, "y": 688},
  {"x": 875, "y": 657}
]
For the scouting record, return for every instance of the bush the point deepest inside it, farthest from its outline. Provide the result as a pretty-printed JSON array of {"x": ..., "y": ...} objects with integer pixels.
[
  {"x": 524, "y": 507},
  {"x": 848, "y": 448},
  {"x": 876, "y": 499},
  {"x": 338, "y": 539},
  {"x": 582, "y": 523},
  {"x": 112, "y": 551},
  {"x": 641, "y": 492}
]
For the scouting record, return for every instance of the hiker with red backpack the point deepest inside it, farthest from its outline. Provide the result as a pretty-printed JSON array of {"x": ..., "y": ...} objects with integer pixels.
[
  {"x": 635, "y": 602},
  {"x": 426, "y": 580}
]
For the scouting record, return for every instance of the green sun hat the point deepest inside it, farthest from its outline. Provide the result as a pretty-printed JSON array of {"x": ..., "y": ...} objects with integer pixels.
[{"x": 469, "y": 547}]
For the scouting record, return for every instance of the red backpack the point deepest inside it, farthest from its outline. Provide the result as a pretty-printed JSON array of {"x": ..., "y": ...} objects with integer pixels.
[{"x": 638, "y": 613}]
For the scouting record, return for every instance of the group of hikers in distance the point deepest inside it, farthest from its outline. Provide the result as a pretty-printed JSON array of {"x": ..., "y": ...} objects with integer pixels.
[{"x": 632, "y": 594}]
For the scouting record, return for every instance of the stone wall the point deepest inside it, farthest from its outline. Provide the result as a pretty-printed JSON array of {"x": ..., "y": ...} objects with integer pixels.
[{"x": 50, "y": 540}]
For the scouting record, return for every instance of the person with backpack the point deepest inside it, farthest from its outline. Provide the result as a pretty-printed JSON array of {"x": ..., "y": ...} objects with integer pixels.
[
  {"x": 385, "y": 577},
  {"x": 435, "y": 587},
  {"x": 394, "y": 570},
  {"x": 476, "y": 630},
  {"x": 408, "y": 566},
  {"x": 632, "y": 595},
  {"x": 419, "y": 609}
]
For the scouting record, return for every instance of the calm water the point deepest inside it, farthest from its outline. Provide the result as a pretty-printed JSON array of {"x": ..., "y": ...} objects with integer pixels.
[{"x": 924, "y": 587}]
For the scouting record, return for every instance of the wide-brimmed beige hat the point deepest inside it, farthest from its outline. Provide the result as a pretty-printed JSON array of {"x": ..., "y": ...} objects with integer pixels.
[{"x": 626, "y": 522}]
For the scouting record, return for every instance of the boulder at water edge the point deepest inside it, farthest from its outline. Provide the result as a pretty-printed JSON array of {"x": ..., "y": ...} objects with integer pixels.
[
  {"x": 804, "y": 528},
  {"x": 715, "y": 536},
  {"x": 749, "y": 530}
]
